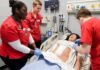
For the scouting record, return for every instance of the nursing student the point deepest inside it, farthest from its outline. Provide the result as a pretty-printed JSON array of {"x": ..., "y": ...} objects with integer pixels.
[
  {"x": 90, "y": 36},
  {"x": 15, "y": 36},
  {"x": 33, "y": 20}
]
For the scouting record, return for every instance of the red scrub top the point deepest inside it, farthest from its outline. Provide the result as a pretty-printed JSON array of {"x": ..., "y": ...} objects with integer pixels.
[
  {"x": 10, "y": 31},
  {"x": 34, "y": 24},
  {"x": 91, "y": 35}
]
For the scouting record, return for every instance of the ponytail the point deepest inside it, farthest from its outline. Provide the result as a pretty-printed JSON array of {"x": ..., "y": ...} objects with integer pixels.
[{"x": 11, "y": 3}]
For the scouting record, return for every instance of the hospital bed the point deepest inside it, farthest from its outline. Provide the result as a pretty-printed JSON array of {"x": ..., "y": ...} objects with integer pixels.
[{"x": 49, "y": 42}]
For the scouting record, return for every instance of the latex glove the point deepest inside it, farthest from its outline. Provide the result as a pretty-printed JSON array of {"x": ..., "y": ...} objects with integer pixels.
[
  {"x": 77, "y": 42},
  {"x": 37, "y": 52}
]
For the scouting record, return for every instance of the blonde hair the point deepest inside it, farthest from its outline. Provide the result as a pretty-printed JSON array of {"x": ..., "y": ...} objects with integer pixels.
[{"x": 37, "y": 2}]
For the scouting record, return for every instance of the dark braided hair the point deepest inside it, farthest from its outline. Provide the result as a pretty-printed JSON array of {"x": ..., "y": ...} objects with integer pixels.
[{"x": 14, "y": 4}]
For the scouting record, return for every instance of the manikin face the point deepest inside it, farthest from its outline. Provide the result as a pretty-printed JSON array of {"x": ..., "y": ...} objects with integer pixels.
[
  {"x": 37, "y": 8},
  {"x": 72, "y": 38}
]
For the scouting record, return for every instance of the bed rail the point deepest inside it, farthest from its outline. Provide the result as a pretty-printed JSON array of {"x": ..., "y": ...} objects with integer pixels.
[{"x": 49, "y": 42}]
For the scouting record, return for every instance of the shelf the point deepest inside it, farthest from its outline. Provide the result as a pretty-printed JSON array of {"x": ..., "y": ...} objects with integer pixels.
[
  {"x": 92, "y": 5},
  {"x": 83, "y": 1}
]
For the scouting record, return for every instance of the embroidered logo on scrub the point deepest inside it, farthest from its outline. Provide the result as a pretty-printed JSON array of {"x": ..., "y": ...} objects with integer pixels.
[{"x": 26, "y": 30}]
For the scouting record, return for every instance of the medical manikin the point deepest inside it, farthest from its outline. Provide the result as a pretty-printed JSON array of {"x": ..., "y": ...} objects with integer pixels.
[{"x": 57, "y": 58}]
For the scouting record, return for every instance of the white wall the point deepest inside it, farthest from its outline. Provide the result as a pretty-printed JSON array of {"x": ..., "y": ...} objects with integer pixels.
[{"x": 6, "y": 10}]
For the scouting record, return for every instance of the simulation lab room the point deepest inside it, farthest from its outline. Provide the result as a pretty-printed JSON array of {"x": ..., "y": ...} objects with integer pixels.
[{"x": 50, "y": 35}]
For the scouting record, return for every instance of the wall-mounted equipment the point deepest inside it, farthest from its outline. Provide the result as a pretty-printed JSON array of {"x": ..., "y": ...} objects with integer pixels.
[
  {"x": 92, "y": 5},
  {"x": 47, "y": 4},
  {"x": 52, "y": 4},
  {"x": 61, "y": 23}
]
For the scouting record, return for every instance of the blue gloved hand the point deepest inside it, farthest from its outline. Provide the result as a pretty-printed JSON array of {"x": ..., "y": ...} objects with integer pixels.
[
  {"x": 77, "y": 42},
  {"x": 37, "y": 52},
  {"x": 75, "y": 46}
]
